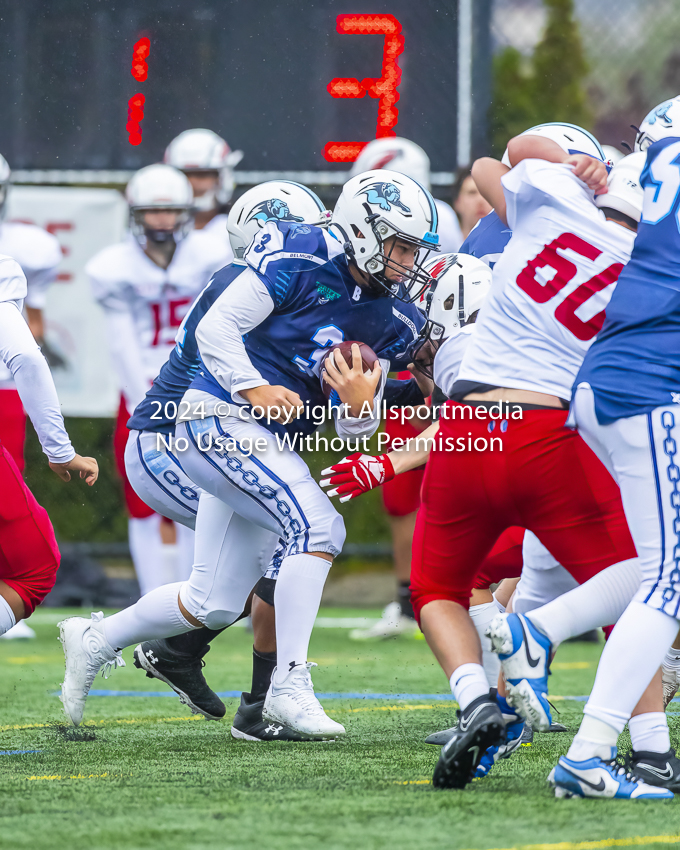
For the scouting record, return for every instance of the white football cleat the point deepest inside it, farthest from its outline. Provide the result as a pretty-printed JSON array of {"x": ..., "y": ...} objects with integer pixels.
[
  {"x": 22, "y": 631},
  {"x": 294, "y": 704},
  {"x": 391, "y": 624},
  {"x": 86, "y": 651},
  {"x": 670, "y": 678}
]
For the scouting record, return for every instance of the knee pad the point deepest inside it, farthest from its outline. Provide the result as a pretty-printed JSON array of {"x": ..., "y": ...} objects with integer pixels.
[
  {"x": 214, "y": 618},
  {"x": 327, "y": 534},
  {"x": 264, "y": 590}
]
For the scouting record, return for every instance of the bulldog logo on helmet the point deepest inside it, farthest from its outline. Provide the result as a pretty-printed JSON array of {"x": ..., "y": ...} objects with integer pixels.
[
  {"x": 273, "y": 210},
  {"x": 385, "y": 195},
  {"x": 661, "y": 112}
]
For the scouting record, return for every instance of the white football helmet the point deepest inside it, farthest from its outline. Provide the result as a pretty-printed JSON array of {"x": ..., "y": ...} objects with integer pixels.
[
  {"x": 624, "y": 192},
  {"x": 397, "y": 154},
  {"x": 569, "y": 137},
  {"x": 159, "y": 187},
  {"x": 5, "y": 176},
  {"x": 458, "y": 288},
  {"x": 276, "y": 200},
  {"x": 663, "y": 120},
  {"x": 375, "y": 206},
  {"x": 203, "y": 150}
]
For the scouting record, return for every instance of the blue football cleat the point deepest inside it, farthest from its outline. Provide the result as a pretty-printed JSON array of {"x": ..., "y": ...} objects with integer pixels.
[
  {"x": 525, "y": 658},
  {"x": 596, "y": 777},
  {"x": 518, "y": 733}
]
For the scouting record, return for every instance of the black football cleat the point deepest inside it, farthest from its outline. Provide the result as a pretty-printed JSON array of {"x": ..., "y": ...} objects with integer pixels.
[
  {"x": 249, "y": 725},
  {"x": 480, "y": 726},
  {"x": 183, "y": 673},
  {"x": 660, "y": 769}
]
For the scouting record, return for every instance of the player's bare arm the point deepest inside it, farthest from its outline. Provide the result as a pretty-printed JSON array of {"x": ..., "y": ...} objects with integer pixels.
[
  {"x": 86, "y": 467},
  {"x": 273, "y": 399},
  {"x": 354, "y": 386},
  {"x": 487, "y": 173}
]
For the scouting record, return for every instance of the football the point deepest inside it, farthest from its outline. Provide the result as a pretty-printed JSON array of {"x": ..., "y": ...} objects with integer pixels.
[{"x": 368, "y": 358}]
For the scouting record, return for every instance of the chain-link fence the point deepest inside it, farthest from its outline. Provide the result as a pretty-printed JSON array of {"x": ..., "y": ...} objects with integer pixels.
[{"x": 632, "y": 48}]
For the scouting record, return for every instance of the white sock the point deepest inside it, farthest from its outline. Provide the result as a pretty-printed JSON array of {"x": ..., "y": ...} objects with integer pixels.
[
  {"x": 594, "y": 738},
  {"x": 598, "y": 602},
  {"x": 481, "y": 616},
  {"x": 297, "y": 598},
  {"x": 467, "y": 683},
  {"x": 500, "y": 607},
  {"x": 672, "y": 659},
  {"x": 7, "y": 618},
  {"x": 146, "y": 548},
  {"x": 649, "y": 732},
  {"x": 185, "y": 551},
  {"x": 630, "y": 658},
  {"x": 156, "y": 615}
]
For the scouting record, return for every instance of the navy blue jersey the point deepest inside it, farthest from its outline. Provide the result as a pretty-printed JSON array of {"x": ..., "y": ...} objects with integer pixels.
[
  {"x": 317, "y": 303},
  {"x": 487, "y": 239},
  {"x": 634, "y": 364},
  {"x": 158, "y": 410}
]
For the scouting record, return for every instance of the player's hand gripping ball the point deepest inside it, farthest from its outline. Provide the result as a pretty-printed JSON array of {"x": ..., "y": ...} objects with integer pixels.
[
  {"x": 356, "y": 474},
  {"x": 344, "y": 349}
]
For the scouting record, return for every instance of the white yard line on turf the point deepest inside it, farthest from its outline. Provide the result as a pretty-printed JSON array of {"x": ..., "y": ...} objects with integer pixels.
[{"x": 633, "y": 841}]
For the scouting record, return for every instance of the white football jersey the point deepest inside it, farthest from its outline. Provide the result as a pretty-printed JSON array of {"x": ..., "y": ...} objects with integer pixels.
[
  {"x": 550, "y": 286},
  {"x": 448, "y": 359},
  {"x": 218, "y": 227},
  {"x": 154, "y": 301},
  {"x": 12, "y": 281},
  {"x": 37, "y": 252},
  {"x": 448, "y": 228}
]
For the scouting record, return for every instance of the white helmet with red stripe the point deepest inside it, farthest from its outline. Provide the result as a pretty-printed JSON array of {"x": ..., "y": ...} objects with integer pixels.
[
  {"x": 460, "y": 285},
  {"x": 203, "y": 150},
  {"x": 396, "y": 154}
]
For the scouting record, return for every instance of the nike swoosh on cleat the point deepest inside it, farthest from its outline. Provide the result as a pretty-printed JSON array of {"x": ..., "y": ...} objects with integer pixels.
[
  {"x": 533, "y": 662},
  {"x": 599, "y": 787},
  {"x": 662, "y": 774}
]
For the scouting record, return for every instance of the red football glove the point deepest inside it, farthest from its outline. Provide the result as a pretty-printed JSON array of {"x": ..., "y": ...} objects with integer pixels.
[{"x": 356, "y": 474}]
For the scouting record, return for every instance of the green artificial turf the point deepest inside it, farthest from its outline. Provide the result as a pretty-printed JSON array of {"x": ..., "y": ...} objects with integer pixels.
[{"x": 143, "y": 773}]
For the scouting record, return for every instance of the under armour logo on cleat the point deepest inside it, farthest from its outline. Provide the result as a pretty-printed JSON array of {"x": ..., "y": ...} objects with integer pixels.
[
  {"x": 152, "y": 658},
  {"x": 274, "y": 730}
]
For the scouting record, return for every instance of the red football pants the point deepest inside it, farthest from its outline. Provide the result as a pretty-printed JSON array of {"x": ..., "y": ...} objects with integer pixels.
[
  {"x": 545, "y": 479},
  {"x": 29, "y": 555},
  {"x": 135, "y": 506},
  {"x": 13, "y": 425}
]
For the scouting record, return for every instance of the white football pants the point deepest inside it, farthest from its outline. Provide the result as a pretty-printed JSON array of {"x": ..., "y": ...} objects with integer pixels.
[
  {"x": 267, "y": 492},
  {"x": 641, "y": 452}
]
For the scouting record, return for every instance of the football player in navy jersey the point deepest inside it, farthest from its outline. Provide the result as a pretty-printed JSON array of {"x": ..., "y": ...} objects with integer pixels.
[{"x": 261, "y": 346}]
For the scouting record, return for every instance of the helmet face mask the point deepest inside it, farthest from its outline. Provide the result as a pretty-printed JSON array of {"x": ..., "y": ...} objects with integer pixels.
[
  {"x": 159, "y": 188},
  {"x": 408, "y": 282},
  {"x": 459, "y": 285}
]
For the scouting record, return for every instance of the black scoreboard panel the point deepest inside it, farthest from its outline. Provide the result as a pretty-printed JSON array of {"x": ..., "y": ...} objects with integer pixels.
[{"x": 255, "y": 72}]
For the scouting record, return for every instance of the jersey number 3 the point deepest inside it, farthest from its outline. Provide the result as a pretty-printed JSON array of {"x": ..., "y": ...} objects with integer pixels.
[{"x": 565, "y": 270}]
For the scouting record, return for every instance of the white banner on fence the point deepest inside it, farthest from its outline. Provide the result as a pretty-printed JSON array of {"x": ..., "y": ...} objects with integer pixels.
[{"x": 84, "y": 221}]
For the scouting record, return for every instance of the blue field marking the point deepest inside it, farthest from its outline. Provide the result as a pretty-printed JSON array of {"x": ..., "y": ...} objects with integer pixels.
[
  {"x": 350, "y": 695},
  {"x": 17, "y": 752}
]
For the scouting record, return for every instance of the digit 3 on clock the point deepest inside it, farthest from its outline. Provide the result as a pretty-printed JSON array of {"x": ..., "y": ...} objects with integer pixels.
[{"x": 368, "y": 360}]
